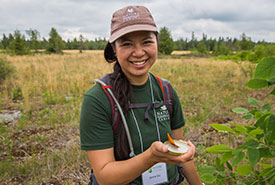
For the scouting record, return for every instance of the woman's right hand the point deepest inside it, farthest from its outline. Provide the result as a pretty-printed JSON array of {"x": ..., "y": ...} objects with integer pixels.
[{"x": 159, "y": 153}]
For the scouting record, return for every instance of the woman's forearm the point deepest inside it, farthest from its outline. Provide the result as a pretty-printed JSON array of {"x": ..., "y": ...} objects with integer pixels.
[
  {"x": 190, "y": 173},
  {"x": 124, "y": 172}
]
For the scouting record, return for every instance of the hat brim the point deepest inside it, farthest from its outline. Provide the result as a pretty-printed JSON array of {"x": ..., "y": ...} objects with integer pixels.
[{"x": 132, "y": 28}]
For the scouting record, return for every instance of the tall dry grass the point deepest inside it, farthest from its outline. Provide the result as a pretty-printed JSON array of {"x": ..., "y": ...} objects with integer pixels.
[{"x": 67, "y": 74}]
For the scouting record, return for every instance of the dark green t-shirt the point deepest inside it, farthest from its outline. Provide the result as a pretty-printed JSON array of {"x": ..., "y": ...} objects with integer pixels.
[{"x": 96, "y": 130}]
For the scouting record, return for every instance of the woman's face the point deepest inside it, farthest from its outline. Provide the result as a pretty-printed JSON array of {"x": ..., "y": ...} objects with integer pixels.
[{"x": 136, "y": 53}]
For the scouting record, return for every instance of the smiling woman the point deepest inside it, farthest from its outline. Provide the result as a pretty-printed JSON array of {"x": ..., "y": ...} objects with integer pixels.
[{"x": 125, "y": 141}]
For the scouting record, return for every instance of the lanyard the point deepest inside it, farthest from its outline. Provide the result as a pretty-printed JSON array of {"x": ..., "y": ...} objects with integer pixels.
[{"x": 155, "y": 115}]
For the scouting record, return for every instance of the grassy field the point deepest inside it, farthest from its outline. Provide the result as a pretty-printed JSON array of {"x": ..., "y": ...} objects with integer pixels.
[{"x": 42, "y": 147}]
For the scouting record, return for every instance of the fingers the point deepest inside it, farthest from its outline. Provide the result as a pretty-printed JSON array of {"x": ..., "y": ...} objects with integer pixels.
[
  {"x": 160, "y": 154},
  {"x": 160, "y": 147},
  {"x": 189, "y": 155}
]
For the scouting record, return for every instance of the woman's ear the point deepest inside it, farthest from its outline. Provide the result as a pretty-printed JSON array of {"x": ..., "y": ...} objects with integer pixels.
[{"x": 114, "y": 48}]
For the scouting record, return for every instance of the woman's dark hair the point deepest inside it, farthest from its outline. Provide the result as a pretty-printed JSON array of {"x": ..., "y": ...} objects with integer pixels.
[{"x": 123, "y": 91}]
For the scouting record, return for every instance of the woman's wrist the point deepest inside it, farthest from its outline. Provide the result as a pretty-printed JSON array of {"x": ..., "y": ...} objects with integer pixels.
[{"x": 150, "y": 158}]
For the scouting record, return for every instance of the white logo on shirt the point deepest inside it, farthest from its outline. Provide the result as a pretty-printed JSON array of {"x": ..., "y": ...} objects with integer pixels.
[{"x": 162, "y": 113}]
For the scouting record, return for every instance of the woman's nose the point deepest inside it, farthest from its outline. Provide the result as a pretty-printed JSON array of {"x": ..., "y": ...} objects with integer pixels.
[{"x": 139, "y": 51}]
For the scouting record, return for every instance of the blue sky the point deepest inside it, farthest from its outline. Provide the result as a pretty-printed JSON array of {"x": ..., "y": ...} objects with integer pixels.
[{"x": 91, "y": 18}]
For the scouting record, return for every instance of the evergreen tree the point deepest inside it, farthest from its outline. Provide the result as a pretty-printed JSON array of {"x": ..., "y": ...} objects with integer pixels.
[
  {"x": 245, "y": 42},
  {"x": 202, "y": 48},
  {"x": 202, "y": 45},
  {"x": 44, "y": 43},
  {"x": 5, "y": 41},
  {"x": 18, "y": 45},
  {"x": 181, "y": 44},
  {"x": 74, "y": 44},
  {"x": 34, "y": 36},
  {"x": 193, "y": 42},
  {"x": 166, "y": 43},
  {"x": 81, "y": 45},
  {"x": 10, "y": 38},
  {"x": 55, "y": 43}
]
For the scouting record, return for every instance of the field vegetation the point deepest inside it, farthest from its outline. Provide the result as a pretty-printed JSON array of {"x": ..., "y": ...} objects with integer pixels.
[{"x": 41, "y": 146}]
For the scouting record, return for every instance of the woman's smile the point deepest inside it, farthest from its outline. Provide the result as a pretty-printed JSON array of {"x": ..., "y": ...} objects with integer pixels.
[{"x": 140, "y": 63}]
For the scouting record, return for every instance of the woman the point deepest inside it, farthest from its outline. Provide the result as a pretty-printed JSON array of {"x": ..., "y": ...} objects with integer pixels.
[{"x": 133, "y": 46}]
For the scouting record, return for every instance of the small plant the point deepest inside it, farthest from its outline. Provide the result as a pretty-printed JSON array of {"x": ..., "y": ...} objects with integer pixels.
[
  {"x": 17, "y": 93},
  {"x": 251, "y": 162},
  {"x": 49, "y": 98}
]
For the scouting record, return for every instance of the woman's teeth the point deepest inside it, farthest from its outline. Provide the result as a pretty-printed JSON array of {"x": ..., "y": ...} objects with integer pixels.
[{"x": 140, "y": 63}]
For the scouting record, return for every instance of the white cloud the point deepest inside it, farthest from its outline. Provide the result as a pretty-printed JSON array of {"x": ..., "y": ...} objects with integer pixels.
[{"x": 92, "y": 18}]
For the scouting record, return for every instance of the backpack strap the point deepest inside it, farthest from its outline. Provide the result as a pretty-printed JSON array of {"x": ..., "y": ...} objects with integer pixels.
[
  {"x": 148, "y": 106},
  {"x": 108, "y": 91},
  {"x": 167, "y": 91},
  {"x": 115, "y": 117}
]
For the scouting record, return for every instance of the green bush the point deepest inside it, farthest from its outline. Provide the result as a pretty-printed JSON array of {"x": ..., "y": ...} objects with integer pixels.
[
  {"x": 6, "y": 70},
  {"x": 251, "y": 162},
  {"x": 243, "y": 55}
]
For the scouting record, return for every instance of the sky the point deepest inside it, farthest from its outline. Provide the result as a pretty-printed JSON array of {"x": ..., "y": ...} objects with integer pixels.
[{"x": 92, "y": 18}]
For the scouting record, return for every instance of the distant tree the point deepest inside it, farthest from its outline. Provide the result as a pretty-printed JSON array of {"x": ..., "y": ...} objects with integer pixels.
[
  {"x": 18, "y": 45},
  {"x": 202, "y": 48},
  {"x": 34, "y": 36},
  {"x": 55, "y": 43},
  {"x": 202, "y": 45},
  {"x": 166, "y": 43},
  {"x": 180, "y": 44},
  {"x": 193, "y": 42},
  {"x": 44, "y": 43},
  {"x": 245, "y": 42},
  {"x": 11, "y": 38},
  {"x": 221, "y": 48},
  {"x": 81, "y": 45},
  {"x": 74, "y": 44},
  {"x": 5, "y": 41}
]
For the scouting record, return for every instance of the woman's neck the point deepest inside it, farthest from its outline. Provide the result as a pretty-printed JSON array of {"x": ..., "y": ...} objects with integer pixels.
[{"x": 139, "y": 80}]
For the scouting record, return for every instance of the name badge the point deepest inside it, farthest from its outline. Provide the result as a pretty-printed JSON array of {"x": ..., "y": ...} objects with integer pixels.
[{"x": 157, "y": 174}]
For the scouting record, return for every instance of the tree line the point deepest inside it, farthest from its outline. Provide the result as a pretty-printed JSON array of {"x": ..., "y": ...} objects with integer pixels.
[
  {"x": 232, "y": 48},
  {"x": 243, "y": 48},
  {"x": 17, "y": 43}
]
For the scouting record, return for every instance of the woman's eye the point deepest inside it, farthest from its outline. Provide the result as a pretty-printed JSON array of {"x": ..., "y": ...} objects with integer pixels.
[
  {"x": 126, "y": 44},
  {"x": 148, "y": 42}
]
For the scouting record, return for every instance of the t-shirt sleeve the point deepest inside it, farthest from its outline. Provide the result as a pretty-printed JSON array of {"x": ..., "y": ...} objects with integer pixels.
[
  {"x": 177, "y": 120},
  {"x": 95, "y": 128}
]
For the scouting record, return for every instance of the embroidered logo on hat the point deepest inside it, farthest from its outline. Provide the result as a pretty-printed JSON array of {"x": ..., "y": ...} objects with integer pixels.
[
  {"x": 130, "y": 10},
  {"x": 132, "y": 15}
]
